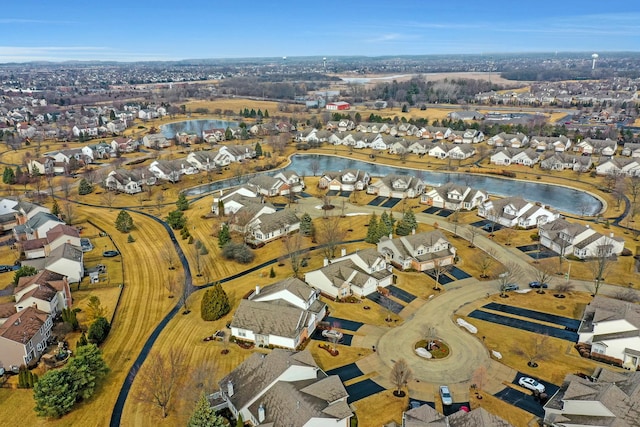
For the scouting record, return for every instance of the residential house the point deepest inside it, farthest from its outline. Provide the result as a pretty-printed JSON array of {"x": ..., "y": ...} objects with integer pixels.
[
  {"x": 631, "y": 149},
  {"x": 124, "y": 145},
  {"x": 117, "y": 126},
  {"x": 234, "y": 153},
  {"x": 420, "y": 252},
  {"x": 293, "y": 182},
  {"x": 234, "y": 199},
  {"x": 360, "y": 273},
  {"x": 399, "y": 146},
  {"x": 66, "y": 260},
  {"x": 397, "y": 186},
  {"x": 461, "y": 152},
  {"x": 94, "y": 152},
  {"x": 550, "y": 143},
  {"x": 526, "y": 157},
  {"x": 472, "y": 136},
  {"x": 601, "y": 147},
  {"x": 156, "y": 141},
  {"x": 606, "y": 398},
  {"x": 346, "y": 180},
  {"x": 285, "y": 388},
  {"x": 627, "y": 166},
  {"x": 426, "y": 416},
  {"x": 36, "y": 227},
  {"x": 341, "y": 125},
  {"x": 504, "y": 156},
  {"x": 44, "y": 165},
  {"x": 267, "y": 226},
  {"x": 46, "y": 290},
  {"x": 516, "y": 212},
  {"x": 213, "y": 136},
  {"x": 503, "y": 139},
  {"x": 284, "y": 314},
  {"x": 420, "y": 147},
  {"x": 467, "y": 115},
  {"x": 167, "y": 170},
  {"x": 436, "y": 133},
  {"x": 58, "y": 235},
  {"x": 202, "y": 160},
  {"x": 612, "y": 327},
  {"x": 454, "y": 197},
  {"x": 561, "y": 161},
  {"x": 147, "y": 114},
  {"x": 582, "y": 241},
  {"x": 24, "y": 336}
]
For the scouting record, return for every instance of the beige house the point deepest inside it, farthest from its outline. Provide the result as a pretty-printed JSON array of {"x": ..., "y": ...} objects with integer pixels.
[
  {"x": 420, "y": 252},
  {"x": 23, "y": 337}
]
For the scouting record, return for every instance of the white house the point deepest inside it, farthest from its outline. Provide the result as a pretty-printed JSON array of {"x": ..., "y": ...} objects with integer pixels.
[
  {"x": 202, "y": 160},
  {"x": 36, "y": 227},
  {"x": 346, "y": 180},
  {"x": 156, "y": 141},
  {"x": 66, "y": 260},
  {"x": 503, "y": 139},
  {"x": 420, "y": 252},
  {"x": 582, "y": 241},
  {"x": 234, "y": 199},
  {"x": 397, "y": 186},
  {"x": 47, "y": 290},
  {"x": 516, "y": 212},
  {"x": 612, "y": 328},
  {"x": 631, "y": 149},
  {"x": 167, "y": 170},
  {"x": 454, "y": 197},
  {"x": 562, "y": 161},
  {"x": 627, "y": 166},
  {"x": 267, "y": 226},
  {"x": 285, "y": 388},
  {"x": 283, "y": 314},
  {"x": 360, "y": 273}
]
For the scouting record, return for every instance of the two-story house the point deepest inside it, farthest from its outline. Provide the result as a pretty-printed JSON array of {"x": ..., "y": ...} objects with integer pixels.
[
  {"x": 23, "y": 337},
  {"x": 397, "y": 186},
  {"x": 346, "y": 180},
  {"x": 516, "y": 212},
  {"x": 420, "y": 252},
  {"x": 582, "y": 241},
  {"x": 454, "y": 197}
]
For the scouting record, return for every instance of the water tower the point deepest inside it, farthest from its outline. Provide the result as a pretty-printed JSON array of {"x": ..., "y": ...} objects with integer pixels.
[{"x": 593, "y": 64}]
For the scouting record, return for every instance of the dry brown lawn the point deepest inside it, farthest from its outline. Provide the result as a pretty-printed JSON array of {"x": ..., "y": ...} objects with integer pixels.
[
  {"x": 380, "y": 408},
  {"x": 510, "y": 413}
]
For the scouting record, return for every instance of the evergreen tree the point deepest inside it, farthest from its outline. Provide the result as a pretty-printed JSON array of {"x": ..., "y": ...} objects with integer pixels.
[
  {"x": 130, "y": 238},
  {"x": 372, "y": 230},
  {"x": 19, "y": 175},
  {"x": 87, "y": 368},
  {"x": 266, "y": 114},
  {"x": 306, "y": 225},
  {"x": 224, "y": 236},
  {"x": 176, "y": 220},
  {"x": 99, "y": 330},
  {"x": 220, "y": 207},
  {"x": 8, "y": 176},
  {"x": 240, "y": 422},
  {"x": 23, "y": 271},
  {"x": 55, "y": 209},
  {"x": 407, "y": 225},
  {"x": 69, "y": 316},
  {"x": 182, "y": 204},
  {"x": 55, "y": 394},
  {"x": 84, "y": 187},
  {"x": 112, "y": 115},
  {"x": 215, "y": 303},
  {"x": 204, "y": 416},
  {"x": 124, "y": 222},
  {"x": 228, "y": 134},
  {"x": 82, "y": 341},
  {"x": 272, "y": 273},
  {"x": 258, "y": 149}
]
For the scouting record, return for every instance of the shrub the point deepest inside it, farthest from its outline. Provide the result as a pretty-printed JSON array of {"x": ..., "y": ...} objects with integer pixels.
[
  {"x": 215, "y": 303},
  {"x": 238, "y": 251},
  {"x": 99, "y": 330},
  {"x": 606, "y": 359},
  {"x": 626, "y": 252}
]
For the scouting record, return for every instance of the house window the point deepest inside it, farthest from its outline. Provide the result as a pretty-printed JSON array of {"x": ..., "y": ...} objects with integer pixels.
[{"x": 241, "y": 333}]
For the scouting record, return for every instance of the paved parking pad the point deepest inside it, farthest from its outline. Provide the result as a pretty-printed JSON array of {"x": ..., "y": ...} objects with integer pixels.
[
  {"x": 528, "y": 248},
  {"x": 349, "y": 325},
  {"x": 524, "y": 325},
  {"x": 344, "y": 194},
  {"x": 521, "y": 400},
  {"x": 386, "y": 302},
  {"x": 431, "y": 210},
  {"x": 443, "y": 279},
  {"x": 567, "y": 322},
  {"x": 401, "y": 294},
  {"x": 445, "y": 213},
  {"x": 346, "y": 372},
  {"x": 377, "y": 201},
  {"x": 458, "y": 273},
  {"x": 454, "y": 407},
  {"x": 345, "y": 340},
  {"x": 304, "y": 195},
  {"x": 549, "y": 388},
  {"x": 390, "y": 203},
  {"x": 363, "y": 389},
  {"x": 332, "y": 193},
  {"x": 542, "y": 254}
]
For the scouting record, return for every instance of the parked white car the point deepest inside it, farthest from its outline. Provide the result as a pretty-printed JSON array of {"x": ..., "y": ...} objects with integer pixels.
[
  {"x": 332, "y": 334},
  {"x": 445, "y": 395},
  {"x": 531, "y": 384}
]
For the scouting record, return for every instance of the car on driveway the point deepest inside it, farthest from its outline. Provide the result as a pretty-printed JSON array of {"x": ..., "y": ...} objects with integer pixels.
[
  {"x": 332, "y": 334},
  {"x": 537, "y": 284},
  {"x": 531, "y": 384},
  {"x": 110, "y": 254},
  {"x": 445, "y": 395},
  {"x": 511, "y": 287},
  {"x": 85, "y": 244}
]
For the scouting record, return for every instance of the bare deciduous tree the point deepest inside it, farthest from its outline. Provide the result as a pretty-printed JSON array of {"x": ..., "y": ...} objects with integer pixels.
[
  {"x": 439, "y": 268},
  {"x": 293, "y": 248},
  {"x": 109, "y": 198},
  {"x": 400, "y": 376},
  {"x": 329, "y": 235},
  {"x": 484, "y": 261},
  {"x": 158, "y": 380},
  {"x": 508, "y": 275},
  {"x": 508, "y": 233},
  {"x": 167, "y": 253},
  {"x": 69, "y": 213},
  {"x": 564, "y": 288},
  {"x": 543, "y": 274},
  {"x": 473, "y": 232},
  {"x": 534, "y": 350},
  {"x": 600, "y": 263}
]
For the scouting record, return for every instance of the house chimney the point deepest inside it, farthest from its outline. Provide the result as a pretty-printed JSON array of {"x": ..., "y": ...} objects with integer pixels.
[
  {"x": 229, "y": 389},
  {"x": 343, "y": 252},
  {"x": 261, "y": 413},
  {"x": 611, "y": 234},
  {"x": 257, "y": 290},
  {"x": 325, "y": 262}
]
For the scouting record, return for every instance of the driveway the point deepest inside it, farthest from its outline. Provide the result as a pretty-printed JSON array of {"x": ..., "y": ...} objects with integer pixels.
[
  {"x": 521, "y": 400},
  {"x": 349, "y": 325},
  {"x": 525, "y": 325},
  {"x": 346, "y": 372},
  {"x": 362, "y": 389},
  {"x": 566, "y": 322}
]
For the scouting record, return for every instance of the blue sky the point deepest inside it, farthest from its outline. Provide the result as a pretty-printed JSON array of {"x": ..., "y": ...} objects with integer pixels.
[{"x": 173, "y": 30}]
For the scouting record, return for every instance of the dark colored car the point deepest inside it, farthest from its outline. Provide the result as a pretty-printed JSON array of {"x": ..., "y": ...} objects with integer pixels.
[
  {"x": 537, "y": 284},
  {"x": 110, "y": 254}
]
